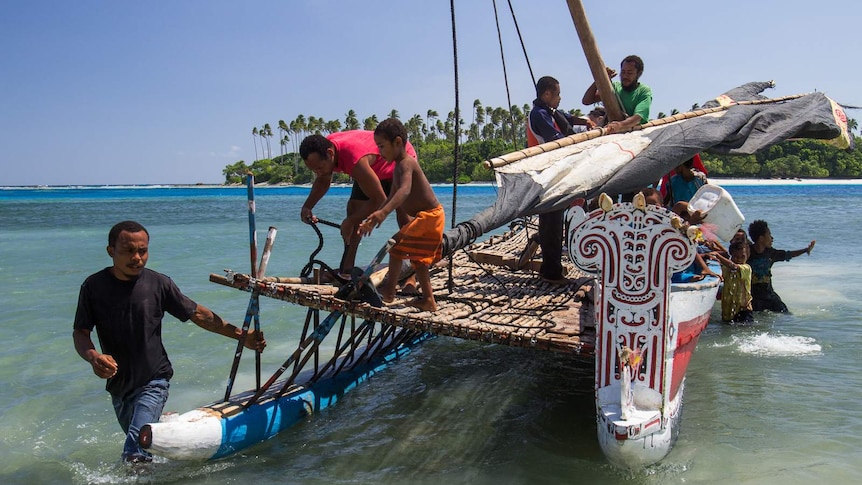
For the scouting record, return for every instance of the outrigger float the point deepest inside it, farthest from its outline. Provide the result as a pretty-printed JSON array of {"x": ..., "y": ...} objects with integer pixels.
[{"x": 618, "y": 307}]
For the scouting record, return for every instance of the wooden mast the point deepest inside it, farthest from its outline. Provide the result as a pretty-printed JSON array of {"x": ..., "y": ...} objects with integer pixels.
[{"x": 594, "y": 59}]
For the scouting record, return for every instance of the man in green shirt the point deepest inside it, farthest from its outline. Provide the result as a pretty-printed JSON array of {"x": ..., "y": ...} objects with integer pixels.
[{"x": 635, "y": 97}]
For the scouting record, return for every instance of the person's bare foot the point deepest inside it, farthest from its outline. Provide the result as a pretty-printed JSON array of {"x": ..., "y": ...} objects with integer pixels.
[
  {"x": 387, "y": 297},
  {"x": 423, "y": 304}
]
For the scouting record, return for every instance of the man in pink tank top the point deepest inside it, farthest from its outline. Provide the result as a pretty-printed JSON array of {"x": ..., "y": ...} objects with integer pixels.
[{"x": 354, "y": 153}]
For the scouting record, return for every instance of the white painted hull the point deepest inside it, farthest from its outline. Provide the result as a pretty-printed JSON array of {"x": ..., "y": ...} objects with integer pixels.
[
  {"x": 644, "y": 439},
  {"x": 646, "y": 327},
  {"x": 649, "y": 433}
]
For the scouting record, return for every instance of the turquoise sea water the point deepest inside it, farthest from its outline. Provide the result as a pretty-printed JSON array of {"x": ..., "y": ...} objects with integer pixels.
[{"x": 778, "y": 402}]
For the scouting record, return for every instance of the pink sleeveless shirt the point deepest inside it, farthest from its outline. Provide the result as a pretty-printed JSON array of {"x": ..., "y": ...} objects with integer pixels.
[{"x": 352, "y": 145}]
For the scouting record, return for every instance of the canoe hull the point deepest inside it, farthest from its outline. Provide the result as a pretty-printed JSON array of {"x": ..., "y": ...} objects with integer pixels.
[
  {"x": 222, "y": 428},
  {"x": 646, "y": 327},
  {"x": 648, "y": 435}
]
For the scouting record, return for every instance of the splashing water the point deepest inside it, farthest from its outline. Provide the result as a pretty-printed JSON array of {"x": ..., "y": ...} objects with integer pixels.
[{"x": 766, "y": 344}]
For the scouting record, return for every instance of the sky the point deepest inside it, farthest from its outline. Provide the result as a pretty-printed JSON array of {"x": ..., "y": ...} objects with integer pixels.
[{"x": 167, "y": 92}]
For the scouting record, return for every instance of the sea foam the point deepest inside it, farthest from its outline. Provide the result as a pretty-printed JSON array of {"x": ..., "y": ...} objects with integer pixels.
[{"x": 766, "y": 344}]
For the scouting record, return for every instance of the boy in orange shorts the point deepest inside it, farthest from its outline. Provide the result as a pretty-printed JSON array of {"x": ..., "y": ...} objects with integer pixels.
[{"x": 420, "y": 240}]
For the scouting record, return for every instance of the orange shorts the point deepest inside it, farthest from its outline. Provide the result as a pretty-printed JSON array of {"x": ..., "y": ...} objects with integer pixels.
[{"x": 421, "y": 240}]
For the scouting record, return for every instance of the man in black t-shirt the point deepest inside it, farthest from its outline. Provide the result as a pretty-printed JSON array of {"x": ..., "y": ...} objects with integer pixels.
[{"x": 125, "y": 303}]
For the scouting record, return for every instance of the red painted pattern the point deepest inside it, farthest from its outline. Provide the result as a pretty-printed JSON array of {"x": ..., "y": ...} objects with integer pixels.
[{"x": 689, "y": 332}]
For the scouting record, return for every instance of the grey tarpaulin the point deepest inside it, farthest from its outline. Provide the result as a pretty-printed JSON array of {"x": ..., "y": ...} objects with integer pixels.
[{"x": 740, "y": 129}]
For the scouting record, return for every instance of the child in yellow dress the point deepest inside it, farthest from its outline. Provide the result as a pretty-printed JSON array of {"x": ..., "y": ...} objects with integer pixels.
[{"x": 736, "y": 292}]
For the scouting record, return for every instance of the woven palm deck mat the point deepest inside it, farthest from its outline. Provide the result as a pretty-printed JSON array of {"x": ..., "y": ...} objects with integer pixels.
[{"x": 490, "y": 300}]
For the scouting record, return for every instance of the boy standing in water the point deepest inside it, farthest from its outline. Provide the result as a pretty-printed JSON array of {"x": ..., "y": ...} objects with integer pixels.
[
  {"x": 762, "y": 256},
  {"x": 420, "y": 240}
]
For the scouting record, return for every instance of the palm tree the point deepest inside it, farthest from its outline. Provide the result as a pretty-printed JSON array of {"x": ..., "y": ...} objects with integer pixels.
[
  {"x": 519, "y": 120},
  {"x": 333, "y": 126},
  {"x": 414, "y": 128},
  {"x": 661, "y": 115},
  {"x": 315, "y": 125},
  {"x": 497, "y": 117},
  {"x": 266, "y": 133},
  {"x": 351, "y": 122},
  {"x": 283, "y": 143},
  {"x": 450, "y": 126},
  {"x": 851, "y": 125},
  {"x": 432, "y": 127},
  {"x": 370, "y": 123},
  {"x": 301, "y": 125},
  {"x": 674, "y": 112},
  {"x": 695, "y": 106},
  {"x": 473, "y": 132},
  {"x": 488, "y": 131},
  {"x": 282, "y": 137},
  {"x": 394, "y": 114},
  {"x": 431, "y": 114},
  {"x": 295, "y": 131},
  {"x": 254, "y": 140},
  {"x": 478, "y": 115}
]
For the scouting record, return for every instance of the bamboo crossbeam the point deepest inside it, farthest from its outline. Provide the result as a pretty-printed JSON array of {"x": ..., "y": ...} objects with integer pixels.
[
  {"x": 296, "y": 280},
  {"x": 242, "y": 282}
]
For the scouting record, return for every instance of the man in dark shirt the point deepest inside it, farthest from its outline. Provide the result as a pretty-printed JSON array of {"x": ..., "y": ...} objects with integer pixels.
[
  {"x": 547, "y": 123},
  {"x": 125, "y": 303}
]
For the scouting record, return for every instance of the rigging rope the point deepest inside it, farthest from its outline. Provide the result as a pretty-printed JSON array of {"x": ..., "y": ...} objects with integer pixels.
[
  {"x": 457, "y": 134},
  {"x": 312, "y": 260},
  {"x": 505, "y": 74},
  {"x": 520, "y": 38}
]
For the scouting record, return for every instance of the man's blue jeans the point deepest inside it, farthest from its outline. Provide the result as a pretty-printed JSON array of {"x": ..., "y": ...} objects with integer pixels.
[{"x": 141, "y": 407}]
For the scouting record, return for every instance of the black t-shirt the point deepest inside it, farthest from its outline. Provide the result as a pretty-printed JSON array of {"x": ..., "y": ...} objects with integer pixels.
[{"x": 127, "y": 316}]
